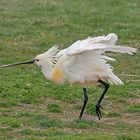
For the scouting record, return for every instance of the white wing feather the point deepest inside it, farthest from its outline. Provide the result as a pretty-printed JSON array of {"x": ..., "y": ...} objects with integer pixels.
[{"x": 104, "y": 43}]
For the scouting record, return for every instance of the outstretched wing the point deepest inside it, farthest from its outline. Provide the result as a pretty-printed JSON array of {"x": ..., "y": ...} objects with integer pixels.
[
  {"x": 86, "y": 60},
  {"x": 98, "y": 44}
]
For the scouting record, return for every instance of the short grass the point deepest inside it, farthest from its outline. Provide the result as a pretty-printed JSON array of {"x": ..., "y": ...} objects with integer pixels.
[{"x": 33, "y": 108}]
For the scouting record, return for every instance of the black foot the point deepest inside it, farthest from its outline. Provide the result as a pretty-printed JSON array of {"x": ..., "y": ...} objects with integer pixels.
[
  {"x": 98, "y": 111},
  {"x": 80, "y": 117}
]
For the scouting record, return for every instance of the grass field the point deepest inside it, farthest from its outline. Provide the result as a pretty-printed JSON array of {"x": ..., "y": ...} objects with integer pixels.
[{"x": 32, "y": 108}]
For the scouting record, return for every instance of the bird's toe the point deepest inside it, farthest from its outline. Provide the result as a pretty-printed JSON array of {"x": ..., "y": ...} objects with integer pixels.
[{"x": 98, "y": 108}]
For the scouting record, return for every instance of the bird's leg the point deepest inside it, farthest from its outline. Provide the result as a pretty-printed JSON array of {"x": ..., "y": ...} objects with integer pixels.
[
  {"x": 98, "y": 106},
  {"x": 84, "y": 104}
]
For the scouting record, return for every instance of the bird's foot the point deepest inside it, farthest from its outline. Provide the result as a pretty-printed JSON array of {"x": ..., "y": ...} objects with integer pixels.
[
  {"x": 98, "y": 108},
  {"x": 80, "y": 117}
]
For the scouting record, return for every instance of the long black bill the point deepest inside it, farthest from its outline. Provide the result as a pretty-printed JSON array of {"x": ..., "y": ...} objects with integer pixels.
[{"x": 19, "y": 63}]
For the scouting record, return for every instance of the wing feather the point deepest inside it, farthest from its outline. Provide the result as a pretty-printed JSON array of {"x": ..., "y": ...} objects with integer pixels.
[
  {"x": 102, "y": 43},
  {"x": 85, "y": 61}
]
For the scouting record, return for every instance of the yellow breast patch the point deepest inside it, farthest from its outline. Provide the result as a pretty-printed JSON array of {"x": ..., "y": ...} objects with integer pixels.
[{"x": 57, "y": 75}]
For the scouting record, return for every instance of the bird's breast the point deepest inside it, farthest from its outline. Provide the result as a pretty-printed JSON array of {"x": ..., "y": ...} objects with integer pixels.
[{"x": 58, "y": 76}]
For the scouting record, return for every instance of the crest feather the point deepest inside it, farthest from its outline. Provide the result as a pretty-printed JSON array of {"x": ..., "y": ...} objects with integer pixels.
[
  {"x": 51, "y": 54},
  {"x": 53, "y": 51}
]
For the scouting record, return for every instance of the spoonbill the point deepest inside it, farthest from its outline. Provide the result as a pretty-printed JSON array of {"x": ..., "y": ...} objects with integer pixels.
[{"x": 83, "y": 63}]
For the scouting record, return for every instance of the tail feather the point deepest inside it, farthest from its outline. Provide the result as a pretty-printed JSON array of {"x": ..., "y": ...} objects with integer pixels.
[{"x": 115, "y": 80}]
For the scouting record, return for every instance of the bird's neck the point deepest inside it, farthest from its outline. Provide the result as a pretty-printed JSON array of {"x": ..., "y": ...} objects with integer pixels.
[
  {"x": 47, "y": 71},
  {"x": 54, "y": 74}
]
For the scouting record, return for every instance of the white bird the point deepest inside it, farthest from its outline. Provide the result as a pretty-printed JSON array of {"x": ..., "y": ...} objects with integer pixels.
[{"x": 83, "y": 63}]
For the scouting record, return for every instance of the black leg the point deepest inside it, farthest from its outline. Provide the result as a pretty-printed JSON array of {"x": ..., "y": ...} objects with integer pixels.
[
  {"x": 98, "y": 106},
  {"x": 84, "y": 104}
]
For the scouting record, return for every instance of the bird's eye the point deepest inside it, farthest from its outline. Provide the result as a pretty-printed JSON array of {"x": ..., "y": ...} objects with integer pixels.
[{"x": 37, "y": 60}]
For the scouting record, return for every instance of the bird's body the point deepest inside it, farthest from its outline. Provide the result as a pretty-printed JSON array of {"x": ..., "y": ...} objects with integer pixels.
[{"x": 83, "y": 63}]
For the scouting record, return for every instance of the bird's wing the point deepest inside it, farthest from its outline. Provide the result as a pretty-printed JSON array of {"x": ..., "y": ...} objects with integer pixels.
[
  {"x": 98, "y": 44},
  {"x": 85, "y": 60},
  {"x": 60, "y": 53}
]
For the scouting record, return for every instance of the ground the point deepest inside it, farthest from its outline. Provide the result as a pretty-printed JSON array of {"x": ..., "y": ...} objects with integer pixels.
[{"x": 33, "y": 108}]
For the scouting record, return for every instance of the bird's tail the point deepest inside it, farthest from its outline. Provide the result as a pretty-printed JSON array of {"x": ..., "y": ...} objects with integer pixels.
[{"x": 113, "y": 79}]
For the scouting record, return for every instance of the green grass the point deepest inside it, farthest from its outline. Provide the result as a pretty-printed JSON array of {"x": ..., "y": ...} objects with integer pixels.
[
  {"x": 93, "y": 137},
  {"x": 33, "y": 108},
  {"x": 134, "y": 109},
  {"x": 113, "y": 114},
  {"x": 54, "y": 108},
  {"x": 83, "y": 137}
]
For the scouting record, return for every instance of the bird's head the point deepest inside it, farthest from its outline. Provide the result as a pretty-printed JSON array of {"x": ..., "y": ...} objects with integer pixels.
[
  {"x": 44, "y": 59},
  {"x": 41, "y": 60}
]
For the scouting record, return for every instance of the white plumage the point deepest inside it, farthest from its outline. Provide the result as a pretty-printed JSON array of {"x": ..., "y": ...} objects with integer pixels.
[{"x": 84, "y": 62}]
